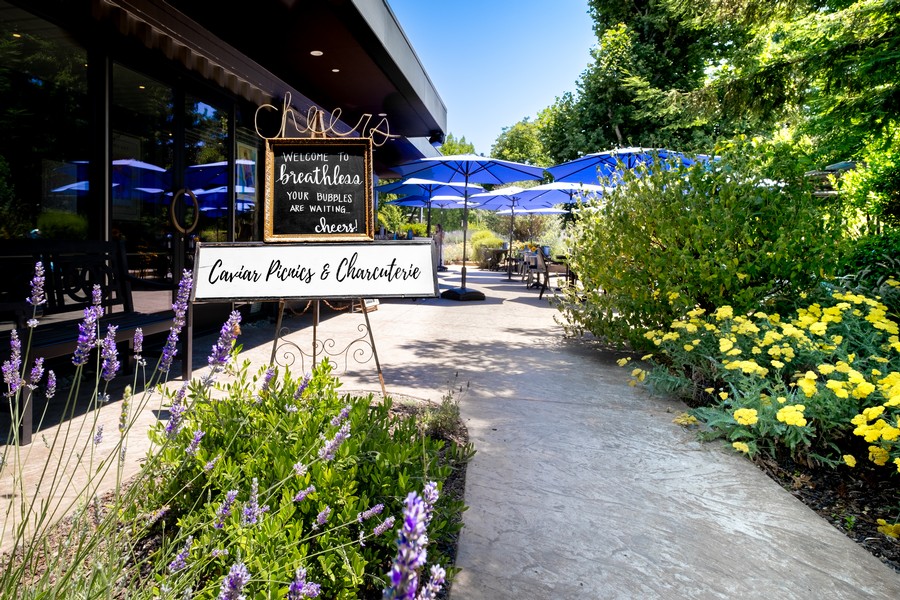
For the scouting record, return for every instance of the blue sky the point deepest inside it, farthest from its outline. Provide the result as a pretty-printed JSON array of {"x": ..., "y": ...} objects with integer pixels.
[{"x": 495, "y": 62}]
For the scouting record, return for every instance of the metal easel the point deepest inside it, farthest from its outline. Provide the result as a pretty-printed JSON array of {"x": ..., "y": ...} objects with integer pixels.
[{"x": 358, "y": 347}]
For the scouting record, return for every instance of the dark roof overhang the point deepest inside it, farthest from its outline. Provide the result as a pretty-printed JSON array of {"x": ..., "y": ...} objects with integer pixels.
[{"x": 262, "y": 52}]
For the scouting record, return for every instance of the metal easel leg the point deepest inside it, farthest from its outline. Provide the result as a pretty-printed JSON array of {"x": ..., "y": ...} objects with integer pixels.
[
  {"x": 277, "y": 331},
  {"x": 362, "y": 306}
]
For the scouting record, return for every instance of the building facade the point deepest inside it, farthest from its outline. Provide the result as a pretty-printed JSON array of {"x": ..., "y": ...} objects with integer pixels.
[{"x": 112, "y": 110}]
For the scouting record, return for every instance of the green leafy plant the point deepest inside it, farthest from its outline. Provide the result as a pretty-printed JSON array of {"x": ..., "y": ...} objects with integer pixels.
[
  {"x": 743, "y": 230},
  {"x": 262, "y": 483}
]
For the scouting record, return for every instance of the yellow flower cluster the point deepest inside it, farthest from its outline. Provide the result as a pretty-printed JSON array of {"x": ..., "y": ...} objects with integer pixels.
[
  {"x": 807, "y": 383},
  {"x": 872, "y": 432},
  {"x": 746, "y": 416},
  {"x": 850, "y": 460},
  {"x": 888, "y": 529},
  {"x": 792, "y": 414},
  {"x": 748, "y": 367},
  {"x": 741, "y": 447},
  {"x": 878, "y": 455},
  {"x": 685, "y": 420}
]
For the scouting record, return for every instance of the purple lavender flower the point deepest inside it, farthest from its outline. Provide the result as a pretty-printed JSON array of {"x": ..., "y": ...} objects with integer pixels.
[
  {"x": 51, "y": 384},
  {"x": 341, "y": 417},
  {"x": 234, "y": 582},
  {"x": 138, "y": 343},
  {"x": 191, "y": 450},
  {"x": 180, "y": 307},
  {"x": 302, "y": 494},
  {"x": 12, "y": 366},
  {"x": 302, "y": 387},
  {"x": 224, "y": 510},
  {"x": 252, "y": 510},
  {"x": 96, "y": 295},
  {"x": 31, "y": 323},
  {"x": 322, "y": 517},
  {"x": 291, "y": 408},
  {"x": 87, "y": 335},
  {"x": 180, "y": 560},
  {"x": 217, "y": 552},
  {"x": 37, "y": 371},
  {"x": 328, "y": 450},
  {"x": 299, "y": 469},
  {"x": 176, "y": 412},
  {"x": 38, "y": 296},
  {"x": 221, "y": 351},
  {"x": 434, "y": 585},
  {"x": 212, "y": 463},
  {"x": 430, "y": 497},
  {"x": 384, "y": 526},
  {"x": 110, "y": 354},
  {"x": 300, "y": 588},
  {"x": 411, "y": 553},
  {"x": 368, "y": 514},
  {"x": 267, "y": 379},
  {"x": 98, "y": 436}
]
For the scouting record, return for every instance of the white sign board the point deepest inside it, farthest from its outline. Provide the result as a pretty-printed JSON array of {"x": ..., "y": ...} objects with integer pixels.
[{"x": 257, "y": 271}]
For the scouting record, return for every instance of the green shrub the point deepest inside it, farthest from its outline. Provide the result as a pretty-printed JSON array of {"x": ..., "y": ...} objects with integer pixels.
[
  {"x": 742, "y": 230},
  {"x": 482, "y": 238},
  {"x": 58, "y": 225}
]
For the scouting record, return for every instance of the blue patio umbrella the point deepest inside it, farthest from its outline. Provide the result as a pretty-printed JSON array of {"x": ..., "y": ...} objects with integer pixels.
[
  {"x": 591, "y": 168},
  {"x": 468, "y": 168},
  {"x": 514, "y": 199},
  {"x": 427, "y": 188},
  {"x": 434, "y": 201}
]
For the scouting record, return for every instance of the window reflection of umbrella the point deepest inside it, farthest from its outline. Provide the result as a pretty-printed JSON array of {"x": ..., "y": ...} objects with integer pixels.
[
  {"x": 514, "y": 199},
  {"x": 468, "y": 168},
  {"x": 215, "y": 174},
  {"x": 426, "y": 188},
  {"x": 590, "y": 168},
  {"x": 136, "y": 173}
]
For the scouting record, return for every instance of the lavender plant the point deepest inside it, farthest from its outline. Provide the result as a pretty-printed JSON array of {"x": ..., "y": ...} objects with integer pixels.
[{"x": 264, "y": 484}]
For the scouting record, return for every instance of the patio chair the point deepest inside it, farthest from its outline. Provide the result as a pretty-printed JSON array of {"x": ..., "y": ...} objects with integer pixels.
[{"x": 545, "y": 268}]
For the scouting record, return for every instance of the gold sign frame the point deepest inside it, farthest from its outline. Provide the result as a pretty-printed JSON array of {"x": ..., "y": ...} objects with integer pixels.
[{"x": 327, "y": 154}]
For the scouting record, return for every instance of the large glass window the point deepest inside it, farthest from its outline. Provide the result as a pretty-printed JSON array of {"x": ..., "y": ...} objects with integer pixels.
[
  {"x": 142, "y": 149},
  {"x": 45, "y": 141}
]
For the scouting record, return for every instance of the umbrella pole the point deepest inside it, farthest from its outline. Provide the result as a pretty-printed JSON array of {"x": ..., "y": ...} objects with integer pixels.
[
  {"x": 465, "y": 229},
  {"x": 512, "y": 221}
]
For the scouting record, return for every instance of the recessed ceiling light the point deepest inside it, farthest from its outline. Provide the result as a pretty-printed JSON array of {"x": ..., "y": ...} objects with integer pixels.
[
  {"x": 317, "y": 53},
  {"x": 382, "y": 114},
  {"x": 335, "y": 70},
  {"x": 141, "y": 87},
  {"x": 17, "y": 35}
]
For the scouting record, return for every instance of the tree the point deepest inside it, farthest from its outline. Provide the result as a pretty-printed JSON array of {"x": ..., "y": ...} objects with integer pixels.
[
  {"x": 452, "y": 146},
  {"x": 521, "y": 143},
  {"x": 643, "y": 45}
]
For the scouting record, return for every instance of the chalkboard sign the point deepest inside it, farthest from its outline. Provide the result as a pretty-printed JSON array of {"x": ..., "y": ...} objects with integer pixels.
[{"x": 318, "y": 189}]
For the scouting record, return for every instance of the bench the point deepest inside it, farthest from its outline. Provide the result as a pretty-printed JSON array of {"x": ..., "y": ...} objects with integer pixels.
[{"x": 72, "y": 268}]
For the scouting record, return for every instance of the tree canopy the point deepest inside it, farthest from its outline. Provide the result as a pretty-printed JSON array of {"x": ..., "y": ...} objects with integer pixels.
[{"x": 682, "y": 74}]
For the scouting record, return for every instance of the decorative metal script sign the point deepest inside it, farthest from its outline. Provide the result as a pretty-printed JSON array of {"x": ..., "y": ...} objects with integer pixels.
[
  {"x": 318, "y": 189},
  {"x": 256, "y": 271}
]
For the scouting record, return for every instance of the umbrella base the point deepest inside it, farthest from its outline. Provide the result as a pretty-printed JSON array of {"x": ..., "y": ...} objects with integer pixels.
[{"x": 462, "y": 294}]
